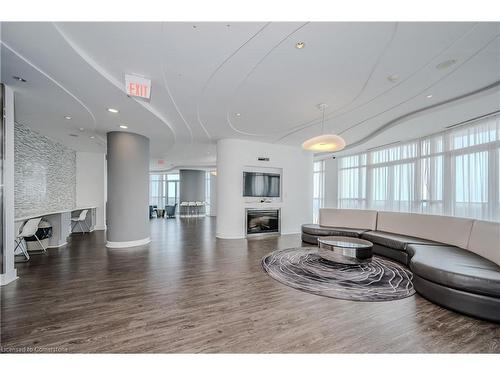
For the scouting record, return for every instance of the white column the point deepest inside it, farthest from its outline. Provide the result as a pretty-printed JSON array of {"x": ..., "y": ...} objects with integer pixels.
[
  {"x": 213, "y": 195},
  {"x": 9, "y": 273}
]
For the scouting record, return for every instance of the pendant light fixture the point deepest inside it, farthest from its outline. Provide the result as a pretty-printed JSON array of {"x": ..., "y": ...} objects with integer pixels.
[{"x": 324, "y": 142}]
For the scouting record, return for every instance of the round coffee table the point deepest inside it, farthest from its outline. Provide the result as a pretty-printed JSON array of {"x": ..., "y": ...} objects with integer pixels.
[{"x": 345, "y": 250}]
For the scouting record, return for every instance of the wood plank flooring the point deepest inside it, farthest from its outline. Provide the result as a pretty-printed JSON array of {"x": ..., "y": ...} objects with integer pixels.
[{"x": 188, "y": 292}]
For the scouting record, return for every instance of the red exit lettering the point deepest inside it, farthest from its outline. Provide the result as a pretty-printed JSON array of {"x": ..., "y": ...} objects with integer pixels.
[{"x": 137, "y": 89}]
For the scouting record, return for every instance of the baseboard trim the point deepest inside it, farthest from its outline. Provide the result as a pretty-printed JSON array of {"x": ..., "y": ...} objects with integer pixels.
[
  {"x": 7, "y": 278},
  {"x": 123, "y": 244},
  {"x": 229, "y": 237}
]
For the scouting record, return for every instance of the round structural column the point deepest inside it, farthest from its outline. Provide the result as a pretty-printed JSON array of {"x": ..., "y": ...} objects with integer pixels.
[
  {"x": 127, "y": 211},
  {"x": 191, "y": 185}
]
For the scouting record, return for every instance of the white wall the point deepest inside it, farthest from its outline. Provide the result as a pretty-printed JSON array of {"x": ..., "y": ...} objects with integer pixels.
[
  {"x": 9, "y": 273},
  {"x": 331, "y": 182},
  {"x": 91, "y": 184},
  {"x": 233, "y": 156}
]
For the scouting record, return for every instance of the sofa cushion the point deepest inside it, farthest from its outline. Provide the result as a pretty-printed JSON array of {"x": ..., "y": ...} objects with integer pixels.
[
  {"x": 445, "y": 229},
  {"x": 485, "y": 240},
  {"x": 397, "y": 255},
  {"x": 455, "y": 268},
  {"x": 394, "y": 240},
  {"x": 344, "y": 218},
  {"x": 310, "y": 238},
  {"x": 319, "y": 230}
]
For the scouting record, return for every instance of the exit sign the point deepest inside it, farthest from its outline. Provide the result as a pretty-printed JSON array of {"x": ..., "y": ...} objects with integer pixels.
[{"x": 137, "y": 86}]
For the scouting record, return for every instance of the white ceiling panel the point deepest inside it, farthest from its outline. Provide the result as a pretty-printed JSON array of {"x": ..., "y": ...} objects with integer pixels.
[{"x": 248, "y": 80}]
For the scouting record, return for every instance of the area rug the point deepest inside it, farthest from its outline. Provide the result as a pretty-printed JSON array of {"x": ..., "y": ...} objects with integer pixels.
[{"x": 303, "y": 269}]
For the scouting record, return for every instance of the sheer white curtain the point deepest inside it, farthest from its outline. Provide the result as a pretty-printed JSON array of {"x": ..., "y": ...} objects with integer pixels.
[
  {"x": 352, "y": 182},
  {"x": 456, "y": 172},
  {"x": 318, "y": 188},
  {"x": 157, "y": 190}
]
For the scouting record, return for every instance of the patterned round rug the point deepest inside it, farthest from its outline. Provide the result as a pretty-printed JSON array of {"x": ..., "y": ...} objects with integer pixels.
[{"x": 303, "y": 269}]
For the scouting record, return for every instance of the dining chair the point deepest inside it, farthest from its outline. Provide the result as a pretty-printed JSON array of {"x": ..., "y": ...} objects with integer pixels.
[
  {"x": 183, "y": 207},
  {"x": 191, "y": 207},
  {"x": 79, "y": 220},
  {"x": 199, "y": 205},
  {"x": 28, "y": 230},
  {"x": 170, "y": 210}
]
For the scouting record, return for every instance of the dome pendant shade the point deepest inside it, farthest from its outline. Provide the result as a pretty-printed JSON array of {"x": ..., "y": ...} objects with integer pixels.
[{"x": 324, "y": 143}]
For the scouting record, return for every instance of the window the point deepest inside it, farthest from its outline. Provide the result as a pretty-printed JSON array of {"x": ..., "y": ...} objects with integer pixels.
[
  {"x": 471, "y": 184},
  {"x": 352, "y": 182},
  {"x": 156, "y": 190},
  {"x": 164, "y": 189},
  {"x": 318, "y": 188},
  {"x": 456, "y": 172},
  {"x": 172, "y": 191},
  {"x": 207, "y": 192}
]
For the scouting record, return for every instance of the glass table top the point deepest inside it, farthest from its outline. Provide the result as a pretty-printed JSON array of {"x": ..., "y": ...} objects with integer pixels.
[{"x": 345, "y": 242}]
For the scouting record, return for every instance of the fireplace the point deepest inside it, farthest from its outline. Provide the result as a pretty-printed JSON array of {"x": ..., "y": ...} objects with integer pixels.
[{"x": 262, "y": 221}]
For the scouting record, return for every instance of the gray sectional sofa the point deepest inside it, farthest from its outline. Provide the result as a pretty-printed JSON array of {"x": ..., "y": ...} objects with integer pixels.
[{"x": 455, "y": 261}]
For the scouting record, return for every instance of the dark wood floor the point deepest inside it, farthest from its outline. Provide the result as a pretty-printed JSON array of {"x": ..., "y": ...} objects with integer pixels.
[{"x": 190, "y": 292}]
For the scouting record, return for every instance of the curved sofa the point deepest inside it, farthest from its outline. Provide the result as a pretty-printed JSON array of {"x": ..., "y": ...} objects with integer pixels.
[{"x": 455, "y": 261}]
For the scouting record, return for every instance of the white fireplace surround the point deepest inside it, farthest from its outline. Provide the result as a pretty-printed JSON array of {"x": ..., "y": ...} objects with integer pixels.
[{"x": 295, "y": 165}]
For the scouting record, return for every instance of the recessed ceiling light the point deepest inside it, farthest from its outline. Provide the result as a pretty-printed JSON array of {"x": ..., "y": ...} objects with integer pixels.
[
  {"x": 91, "y": 137},
  {"x": 81, "y": 129},
  {"x": 238, "y": 114},
  {"x": 20, "y": 79},
  {"x": 429, "y": 96},
  {"x": 446, "y": 64},
  {"x": 124, "y": 126},
  {"x": 393, "y": 78},
  {"x": 67, "y": 117},
  {"x": 112, "y": 110},
  {"x": 300, "y": 45}
]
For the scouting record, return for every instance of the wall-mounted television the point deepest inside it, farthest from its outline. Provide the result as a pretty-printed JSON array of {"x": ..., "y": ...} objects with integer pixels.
[{"x": 258, "y": 184}]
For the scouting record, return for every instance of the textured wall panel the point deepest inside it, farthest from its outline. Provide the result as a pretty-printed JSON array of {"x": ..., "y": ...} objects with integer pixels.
[{"x": 45, "y": 174}]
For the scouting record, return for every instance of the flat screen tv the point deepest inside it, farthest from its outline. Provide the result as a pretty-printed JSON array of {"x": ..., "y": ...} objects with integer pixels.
[{"x": 257, "y": 184}]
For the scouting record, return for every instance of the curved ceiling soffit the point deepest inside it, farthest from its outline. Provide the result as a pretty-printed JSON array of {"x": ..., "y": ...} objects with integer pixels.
[
  {"x": 188, "y": 166},
  {"x": 335, "y": 113},
  {"x": 314, "y": 121},
  {"x": 238, "y": 87},
  {"x": 424, "y": 90},
  {"x": 99, "y": 69},
  {"x": 217, "y": 69},
  {"x": 46, "y": 75},
  {"x": 419, "y": 112},
  {"x": 165, "y": 83}
]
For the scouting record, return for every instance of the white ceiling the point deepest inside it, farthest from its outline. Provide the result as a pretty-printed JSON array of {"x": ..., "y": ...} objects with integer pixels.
[{"x": 203, "y": 74}]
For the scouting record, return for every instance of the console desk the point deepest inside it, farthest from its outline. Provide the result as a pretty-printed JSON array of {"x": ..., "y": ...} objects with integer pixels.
[{"x": 60, "y": 222}]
